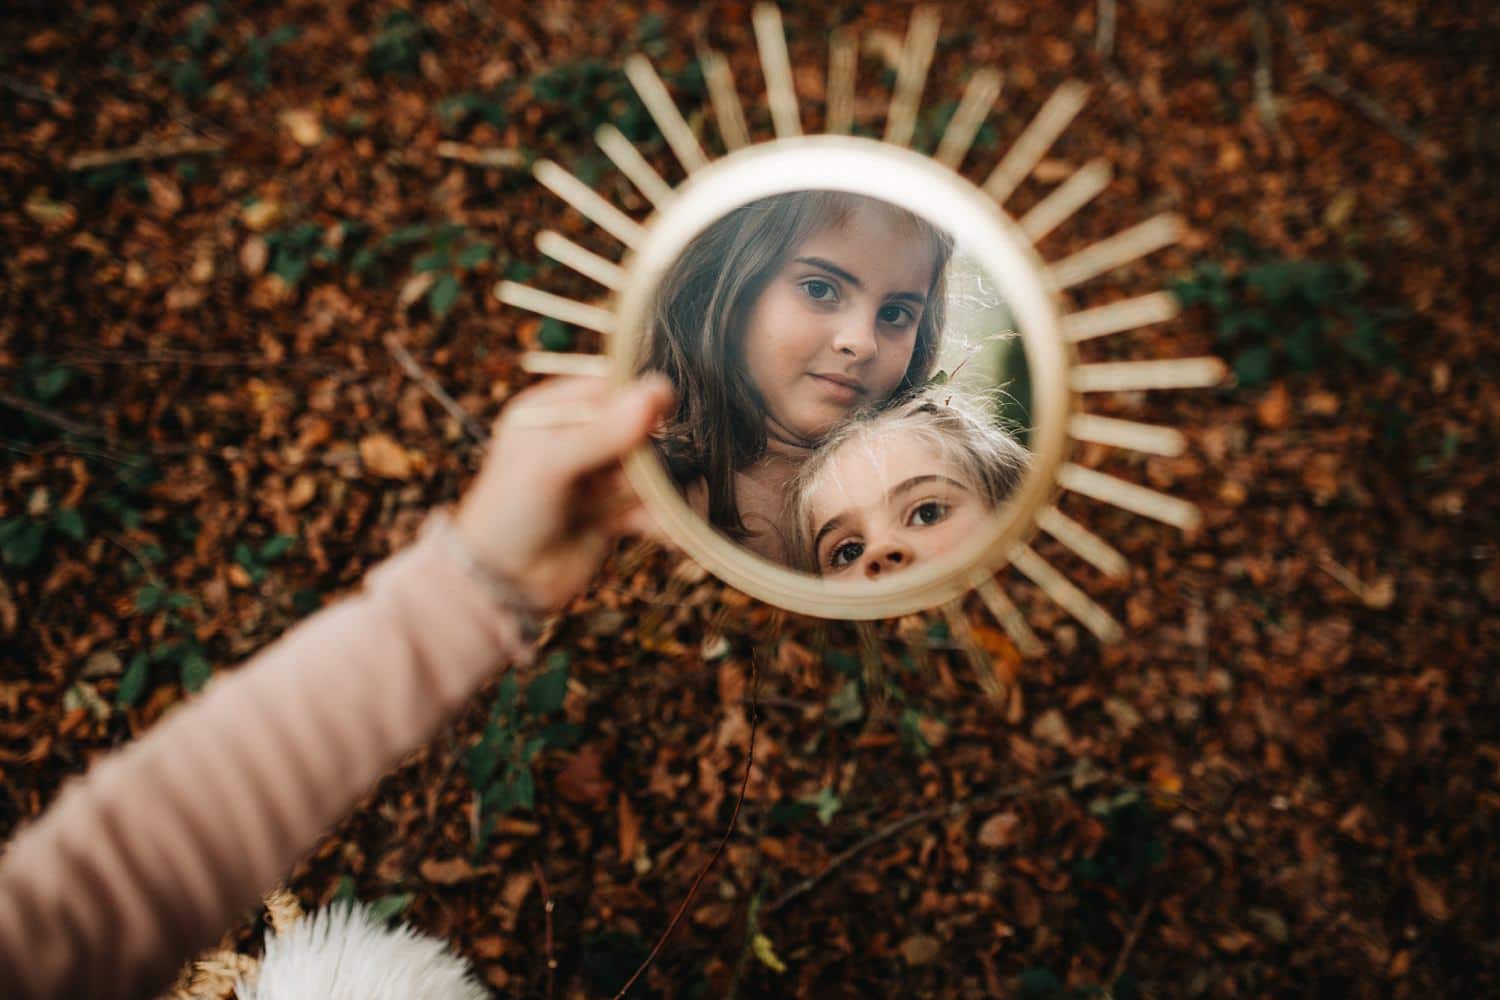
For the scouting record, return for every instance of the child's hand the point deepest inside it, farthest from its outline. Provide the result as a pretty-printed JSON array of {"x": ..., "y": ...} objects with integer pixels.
[{"x": 552, "y": 495}]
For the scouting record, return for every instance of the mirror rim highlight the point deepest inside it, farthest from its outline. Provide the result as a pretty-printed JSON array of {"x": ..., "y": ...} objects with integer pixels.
[{"x": 865, "y": 167}]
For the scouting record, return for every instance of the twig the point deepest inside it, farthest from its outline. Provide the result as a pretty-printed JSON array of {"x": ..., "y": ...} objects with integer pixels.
[
  {"x": 143, "y": 151},
  {"x": 752, "y": 928},
  {"x": 199, "y": 359},
  {"x": 1104, "y": 37},
  {"x": 427, "y": 382},
  {"x": 1336, "y": 88},
  {"x": 547, "y": 906},
  {"x": 62, "y": 448},
  {"x": 1260, "y": 32},
  {"x": 1130, "y": 939},
  {"x": 479, "y": 156},
  {"x": 900, "y": 826},
  {"x": 135, "y": 554},
  {"x": 723, "y": 841},
  {"x": 52, "y": 417},
  {"x": 30, "y": 91}
]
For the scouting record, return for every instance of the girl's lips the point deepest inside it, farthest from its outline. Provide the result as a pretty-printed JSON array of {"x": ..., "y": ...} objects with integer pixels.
[{"x": 844, "y": 390}]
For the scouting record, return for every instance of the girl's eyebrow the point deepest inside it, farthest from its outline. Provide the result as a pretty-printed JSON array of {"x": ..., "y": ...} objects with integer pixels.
[
  {"x": 830, "y": 266},
  {"x": 844, "y": 275},
  {"x": 832, "y": 523}
]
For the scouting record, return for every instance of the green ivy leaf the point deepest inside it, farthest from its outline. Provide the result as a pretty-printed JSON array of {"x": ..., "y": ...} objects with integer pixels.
[
  {"x": 555, "y": 335},
  {"x": 505, "y": 702},
  {"x": 432, "y": 261},
  {"x": 473, "y": 255},
  {"x": 388, "y": 908},
  {"x": 50, "y": 383},
  {"x": 69, "y": 522},
  {"x": 525, "y": 789},
  {"x": 484, "y": 757},
  {"x": 277, "y": 546},
  {"x": 546, "y": 693},
  {"x": 149, "y": 597},
  {"x": 845, "y": 706},
  {"x": 196, "y": 670},
  {"x": 911, "y": 733},
  {"x": 23, "y": 545},
  {"x": 1253, "y": 366},
  {"x": 443, "y": 295},
  {"x": 827, "y": 803},
  {"x": 843, "y": 661},
  {"x": 133, "y": 683},
  {"x": 1040, "y": 984},
  {"x": 561, "y": 735},
  {"x": 346, "y": 891}
]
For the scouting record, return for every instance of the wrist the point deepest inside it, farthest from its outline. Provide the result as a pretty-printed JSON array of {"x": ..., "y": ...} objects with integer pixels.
[{"x": 501, "y": 584}]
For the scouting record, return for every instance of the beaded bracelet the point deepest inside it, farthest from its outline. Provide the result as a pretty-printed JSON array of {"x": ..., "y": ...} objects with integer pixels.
[{"x": 500, "y": 589}]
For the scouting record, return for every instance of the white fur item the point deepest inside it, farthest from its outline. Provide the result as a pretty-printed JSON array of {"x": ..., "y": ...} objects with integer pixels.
[{"x": 343, "y": 953}]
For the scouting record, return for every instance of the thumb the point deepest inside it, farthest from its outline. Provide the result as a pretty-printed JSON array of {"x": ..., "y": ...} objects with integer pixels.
[{"x": 624, "y": 423}]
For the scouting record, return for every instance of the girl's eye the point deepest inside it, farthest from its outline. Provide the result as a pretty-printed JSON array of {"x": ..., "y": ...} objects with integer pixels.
[
  {"x": 928, "y": 513},
  {"x": 845, "y": 553},
  {"x": 819, "y": 290},
  {"x": 897, "y": 315}
]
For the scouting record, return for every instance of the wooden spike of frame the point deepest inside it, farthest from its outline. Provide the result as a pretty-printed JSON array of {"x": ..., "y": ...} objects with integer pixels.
[
  {"x": 663, "y": 111},
  {"x": 776, "y": 64},
  {"x": 911, "y": 75},
  {"x": 589, "y": 203}
]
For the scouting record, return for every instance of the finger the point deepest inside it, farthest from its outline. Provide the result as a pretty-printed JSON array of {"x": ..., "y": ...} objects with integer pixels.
[
  {"x": 640, "y": 522},
  {"x": 562, "y": 391},
  {"x": 623, "y": 423}
]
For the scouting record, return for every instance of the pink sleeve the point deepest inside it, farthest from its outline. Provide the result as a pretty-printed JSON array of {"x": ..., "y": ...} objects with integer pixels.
[{"x": 156, "y": 852}]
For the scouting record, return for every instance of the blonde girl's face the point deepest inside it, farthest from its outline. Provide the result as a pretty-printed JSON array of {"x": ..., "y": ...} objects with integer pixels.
[
  {"x": 884, "y": 505},
  {"x": 835, "y": 327}
]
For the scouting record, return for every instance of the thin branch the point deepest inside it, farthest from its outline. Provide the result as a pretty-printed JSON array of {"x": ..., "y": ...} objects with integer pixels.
[
  {"x": 1336, "y": 88},
  {"x": 900, "y": 826},
  {"x": 547, "y": 907},
  {"x": 723, "y": 841},
  {"x": 1118, "y": 969},
  {"x": 135, "y": 554},
  {"x": 143, "y": 151},
  {"x": 419, "y": 375},
  {"x": 1260, "y": 32},
  {"x": 198, "y": 359},
  {"x": 481, "y": 156},
  {"x": 30, "y": 91},
  {"x": 52, "y": 417},
  {"x": 1104, "y": 37}
]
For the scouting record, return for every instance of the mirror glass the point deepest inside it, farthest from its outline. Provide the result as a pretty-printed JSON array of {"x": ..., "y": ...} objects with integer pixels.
[{"x": 853, "y": 392}]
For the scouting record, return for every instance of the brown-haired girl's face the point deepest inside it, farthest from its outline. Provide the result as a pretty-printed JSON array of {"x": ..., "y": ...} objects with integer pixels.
[{"x": 835, "y": 327}]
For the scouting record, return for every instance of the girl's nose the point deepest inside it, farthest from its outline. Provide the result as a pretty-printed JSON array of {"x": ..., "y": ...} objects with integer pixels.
[
  {"x": 888, "y": 558},
  {"x": 855, "y": 336}
]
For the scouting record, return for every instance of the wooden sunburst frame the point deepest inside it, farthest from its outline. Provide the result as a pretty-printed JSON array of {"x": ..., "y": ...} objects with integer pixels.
[{"x": 888, "y": 169}]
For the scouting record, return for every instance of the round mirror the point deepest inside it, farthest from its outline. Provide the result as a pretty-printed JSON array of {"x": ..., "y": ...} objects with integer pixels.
[{"x": 868, "y": 370}]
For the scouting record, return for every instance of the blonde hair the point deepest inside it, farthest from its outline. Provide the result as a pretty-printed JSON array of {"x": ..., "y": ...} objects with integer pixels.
[{"x": 959, "y": 425}]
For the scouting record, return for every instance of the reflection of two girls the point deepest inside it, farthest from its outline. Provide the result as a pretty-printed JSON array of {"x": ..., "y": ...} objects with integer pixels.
[{"x": 801, "y": 331}]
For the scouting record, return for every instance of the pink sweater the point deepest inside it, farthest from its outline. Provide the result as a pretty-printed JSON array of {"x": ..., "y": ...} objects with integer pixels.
[{"x": 160, "y": 848}]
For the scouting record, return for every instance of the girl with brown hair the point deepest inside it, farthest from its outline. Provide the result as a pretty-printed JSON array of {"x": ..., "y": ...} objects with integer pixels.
[{"x": 777, "y": 321}]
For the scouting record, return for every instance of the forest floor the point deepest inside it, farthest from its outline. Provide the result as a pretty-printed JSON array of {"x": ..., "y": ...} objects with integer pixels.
[{"x": 1285, "y": 781}]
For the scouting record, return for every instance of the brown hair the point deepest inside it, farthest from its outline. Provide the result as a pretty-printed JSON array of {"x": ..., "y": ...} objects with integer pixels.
[
  {"x": 698, "y": 325},
  {"x": 962, "y": 428}
]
